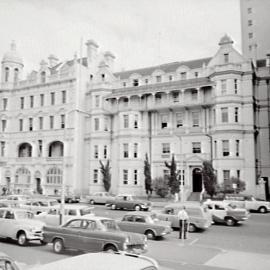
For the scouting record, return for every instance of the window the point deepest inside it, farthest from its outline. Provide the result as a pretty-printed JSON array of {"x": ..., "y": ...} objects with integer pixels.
[
  {"x": 250, "y": 35},
  {"x": 43, "y": 77},
  {"x": 196, "y": 74},
  {"x": 16, "y": 75},
  {"x": 91, "y": 77},
  {"x": 41, "y": 100},
  {"x": 52, "y": 98},
  {"x": 179, "y": 120},
  {"x": 146, "y": 81},
  {"x": 224, "y": 115},
  {"x": 135, "y": 150},
  {"x": 235, "y": 86},
  {"x": 126, "y": 120},
  {"x": 106, "y": 124},
  {"x": 97, "y": 101},
  {"x": 158, "y": 98},
  {"x": 249, "y": 10},
  {"x": 223, "y": 87},
  {"x": 31, "y": 101},
  {"x": 250, "y": 23},
  {"x": 136, "y": 121},
  {"x": 226, "y": 58},
  {"x": 238, "y": 173},
  {"x": 195, "y": 119},
  {"x": 4, "y": 125},
  {"x": 166, "y": 148},
  {"x": 22, "y": 102},
  {"x": 39, "y": 148},
  {"x": 63, "y": 121},
  {"x": 237, "y": 147},
  {"x": 95, "y": 176},
  {"x": 194, "y": 94},
  {"x": 64, "y": 97},
  {"x": 95, "y": 151},
  {"x": 225, "y": 148},
  {"x": 135, "y": 82},
  {"x": 170, "y": 77},
  {"x": 164, "y": 121},
  {"x": 125, "y": 150},
  {"x": 196, "y": 147},
  {"x": 135, "y": 177},
  {"x": 175, "y": 96},
  {"x": 51, "y": 122},
  {"x": 182, "y": 176},
  {"x": 20, "y": 124},
  {"x": 250, "y": 48},
  {"x": 105, "y": 151},
  {"x": 124, "y": 84},
  {"x": 40, "y": 123},
  {"x": 236, "y": 116},
  {"x": 183, "y": 75},
  {"x": 214, "y": 116},
  {"x": 96, "y": 123},
  {"x": 226, "y": 175},
  {"x": 166, "y": 174},
  {"x": 215, "y": 148},
  {"x": 2, "y": 150},
  {"x": 5, "y": 102},
  {"x": 6, "y": 74},
  {"x": 158, "y": 79},
  {"x": 125, "y": 177},
  {"x": 30, "y": 124}
]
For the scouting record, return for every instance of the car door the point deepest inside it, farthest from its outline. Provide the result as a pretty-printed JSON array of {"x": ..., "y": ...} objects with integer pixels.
[
  {"x": 9, "y": 223},
  {"x": 52, "y": 217},
  {"x": 219, "y": 212},
  {"x": 2, "y": 226},
  {"x": 170, "y": 214},
  {"x": 126, "y": 224},
  {"x": 139, "y": 225}
]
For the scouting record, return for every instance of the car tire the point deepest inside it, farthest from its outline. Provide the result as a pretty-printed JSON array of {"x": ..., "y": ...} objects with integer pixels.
[
  {"x": 150, "y": 234},
  {"x": 58, "y": 245},
  {"x": 137, "y": 208},
  {"x": 192, "y": 228},
  {"x": 110, "y": 249},
  {"x": 230, "y": 221},
  {"x": 21, "y": 239},
  {"x": 262, "y": 210},
  {"x": 113, "y": 207},
  {"x": 92, "y": 202}
]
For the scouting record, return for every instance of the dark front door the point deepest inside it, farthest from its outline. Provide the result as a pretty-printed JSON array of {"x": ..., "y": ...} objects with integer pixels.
[{"x": 197, "y": 180}]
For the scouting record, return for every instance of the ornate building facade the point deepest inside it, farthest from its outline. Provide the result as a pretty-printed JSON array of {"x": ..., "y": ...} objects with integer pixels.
[{"x": 67, "y": 117}]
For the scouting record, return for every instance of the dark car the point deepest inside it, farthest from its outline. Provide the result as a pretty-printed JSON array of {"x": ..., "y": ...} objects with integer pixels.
[
  {"x": 128, "y": 202},
  {"x": 92, "y": 233}
]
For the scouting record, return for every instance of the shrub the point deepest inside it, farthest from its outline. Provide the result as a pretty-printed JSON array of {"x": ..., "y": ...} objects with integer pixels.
[{"x": 161, "y": 187}]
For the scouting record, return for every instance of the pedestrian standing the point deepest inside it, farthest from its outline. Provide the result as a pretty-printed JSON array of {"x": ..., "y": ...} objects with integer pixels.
[{"x": 183, "y": 222}]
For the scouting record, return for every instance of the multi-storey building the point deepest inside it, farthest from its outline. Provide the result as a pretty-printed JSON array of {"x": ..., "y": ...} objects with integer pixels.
[{"x": 68, "y": 116}]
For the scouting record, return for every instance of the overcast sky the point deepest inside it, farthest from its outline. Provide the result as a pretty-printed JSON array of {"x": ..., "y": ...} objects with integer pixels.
[{"x": 138, "y": 32}]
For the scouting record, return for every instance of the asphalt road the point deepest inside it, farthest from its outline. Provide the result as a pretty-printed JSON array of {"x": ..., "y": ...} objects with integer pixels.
[{"x": 209, "y": 249}]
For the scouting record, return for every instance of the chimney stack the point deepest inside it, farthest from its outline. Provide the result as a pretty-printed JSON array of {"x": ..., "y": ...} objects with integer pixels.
[
  {"x": 91, "y": 51},
  {"x": 109, "y": 58}
]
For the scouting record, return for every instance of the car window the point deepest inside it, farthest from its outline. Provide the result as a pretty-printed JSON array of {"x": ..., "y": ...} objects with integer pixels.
[
  {"x": 91, "y": 225},
  {"x": 71, "y": 212},
  {"x": 24, "y": 215},
  {"x": 128, "y": 218},
  {"x": 52, "y": 212},
  {"x": 219, "y": 207},
  {"x": 9, "y": 215},
  {"x": 209, "y": 206},
  {"x": 85, "y": 211},
  {"x": 169, "y": 211},
  {"x": 74, "y": 224},
  {"x": 36, "y": 204},
  {"x": 110, "y": 224},
  {"x": 140, "y": 219},
  {"x": 2, "y": 212}
]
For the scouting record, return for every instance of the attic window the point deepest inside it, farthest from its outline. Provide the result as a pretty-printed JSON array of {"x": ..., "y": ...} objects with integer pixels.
[
  {"x": 183, "y": 75},
  {"x": 226, "y": 58},
  {"x": 43, "y": 77},
  {"x": 158, "y": 79},
  {"x": 124, "y": 84},
  {"x": 135, "y": 82},
  {"x": 103, "y": 77},
  {"x": 91, "y": 77}
]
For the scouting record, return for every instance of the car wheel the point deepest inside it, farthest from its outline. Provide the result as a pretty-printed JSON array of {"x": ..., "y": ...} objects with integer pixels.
[
  {"x": 58, "y": 245},
  {"x": 22, "y": 240},
  {"x": 150, "y": 234},
  {"x": 113, "y": 206},
  {"x": 110, "y": 249},
  {"x": 262, "y": 210},
  {"x": 137, "y": 208},
  {"x": 92, "y": 202},
  {"x": 191, "y": 228},
  {"x": 230, "y": 221}
]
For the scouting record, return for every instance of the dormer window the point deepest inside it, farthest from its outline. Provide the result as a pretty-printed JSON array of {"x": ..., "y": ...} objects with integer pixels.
[
  {"x": 170, "y": 78},
  {"x": 158, "y": 79},
  {"x": 16, "y": 75},
  {"x": 196, "y": 74},
  {"x": 103, "y": 77},
  {"x": 135, "y": 82},
  {"x": 124, "y": 84},
  {"x": 6, "y": 74},
  {"x": 183, "y": 75},
  {"x": 43, "y": 77},
  {"x": 91, "y": 77},
  {"x": 226, "y": 58},
  {"x": 146, "y": 81}
]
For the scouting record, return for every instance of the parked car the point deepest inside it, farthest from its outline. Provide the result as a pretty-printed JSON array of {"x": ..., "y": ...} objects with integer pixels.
[
  {"x": 52, "y": 216},
  {"x": 19, "y": 224},
  {"x": 199, "y": 216},
  {"x": 7, "y": 263},
  {"x": 38, "y": 206},
  {"x": 10, "y": 203},
  {"x": 99, "y": 197},
  {"x": 92, "y": 233},
  {"x": 146, "y": 223},
  {"x": 103, "y": 261},
  {"x": 68, "y": 198},
  {"x": 223, "y": 212},
  {"x": 128, "y": 202},
  {"x": 248, "y": 202}
]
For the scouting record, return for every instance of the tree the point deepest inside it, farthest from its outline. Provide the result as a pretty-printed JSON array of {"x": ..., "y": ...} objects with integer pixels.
[
  {"x": 161, "y": 186},
  {"x": 209, "y": 178},
  {"x": 105, "y": 170},
  {"x": 233, "y": 185},
  {"x": 147, "y": 176},
  {"x": 173, "y": 178}
]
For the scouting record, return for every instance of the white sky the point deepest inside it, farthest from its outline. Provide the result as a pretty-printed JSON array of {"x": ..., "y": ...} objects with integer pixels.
[{"x": 138, "y": 32}]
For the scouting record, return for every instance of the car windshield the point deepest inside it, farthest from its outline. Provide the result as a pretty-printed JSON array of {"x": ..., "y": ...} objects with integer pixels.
[
  {"x": 110, "y": 225},
  {"x": 85, "y": 211},
  {"x": 24, "y": 215}
]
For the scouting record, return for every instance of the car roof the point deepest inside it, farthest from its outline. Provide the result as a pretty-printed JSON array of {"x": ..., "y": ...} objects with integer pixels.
[
  {"x": 86, "y": 217},
  {"x": 99, "y": 261},
  {"x": 15, "y": 209},
  {"x": 180, "y": 204},
  {"x": 73, "y": 206},
  {"x": 140, "y": 213},
  {"x": 125, "y": 194}
]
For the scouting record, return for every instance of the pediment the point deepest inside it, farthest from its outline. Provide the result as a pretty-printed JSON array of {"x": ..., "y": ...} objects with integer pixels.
[{"x": 194, "y": 159}]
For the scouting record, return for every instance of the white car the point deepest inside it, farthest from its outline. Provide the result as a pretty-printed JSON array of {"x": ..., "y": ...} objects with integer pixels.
[
  {"x": 38, "y": 206},
  {"x": 19, "y": 224},
  {"x": 52, "y": 216},
  {"x": 99, "y": 197},
  {"x": 7, "y": 263}
]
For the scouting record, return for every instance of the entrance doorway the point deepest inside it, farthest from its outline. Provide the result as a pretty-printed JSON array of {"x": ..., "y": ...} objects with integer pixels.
[
  {"x": 197, "y": 180},
  {"x": 38, "y": 186}
]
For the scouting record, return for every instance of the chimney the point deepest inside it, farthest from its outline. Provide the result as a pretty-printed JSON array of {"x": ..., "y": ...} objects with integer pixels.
[
  {"x": 53, "y": 60},
  {"x": 91, "y": 51},
  {"x": 109, "y": 58}
]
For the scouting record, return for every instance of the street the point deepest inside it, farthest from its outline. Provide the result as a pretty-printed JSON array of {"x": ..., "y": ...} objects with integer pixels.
[{"x": 202, "y": 250}]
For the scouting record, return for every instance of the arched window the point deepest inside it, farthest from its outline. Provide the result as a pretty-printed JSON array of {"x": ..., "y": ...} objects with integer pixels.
[
  {"x": 6, "y": 74},
  {"x": 43, "y": 77},
  {"x": 23, "y": 176},
  {"x": 16, "y": 75},
  {"x": 25, "y": 150},
  {"x": 54, "y": 176},
  {"x": 56, "y": 149}
]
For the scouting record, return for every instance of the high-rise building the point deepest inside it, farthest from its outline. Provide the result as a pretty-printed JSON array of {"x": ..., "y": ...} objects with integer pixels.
[{"x": 255, "y": 24}]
